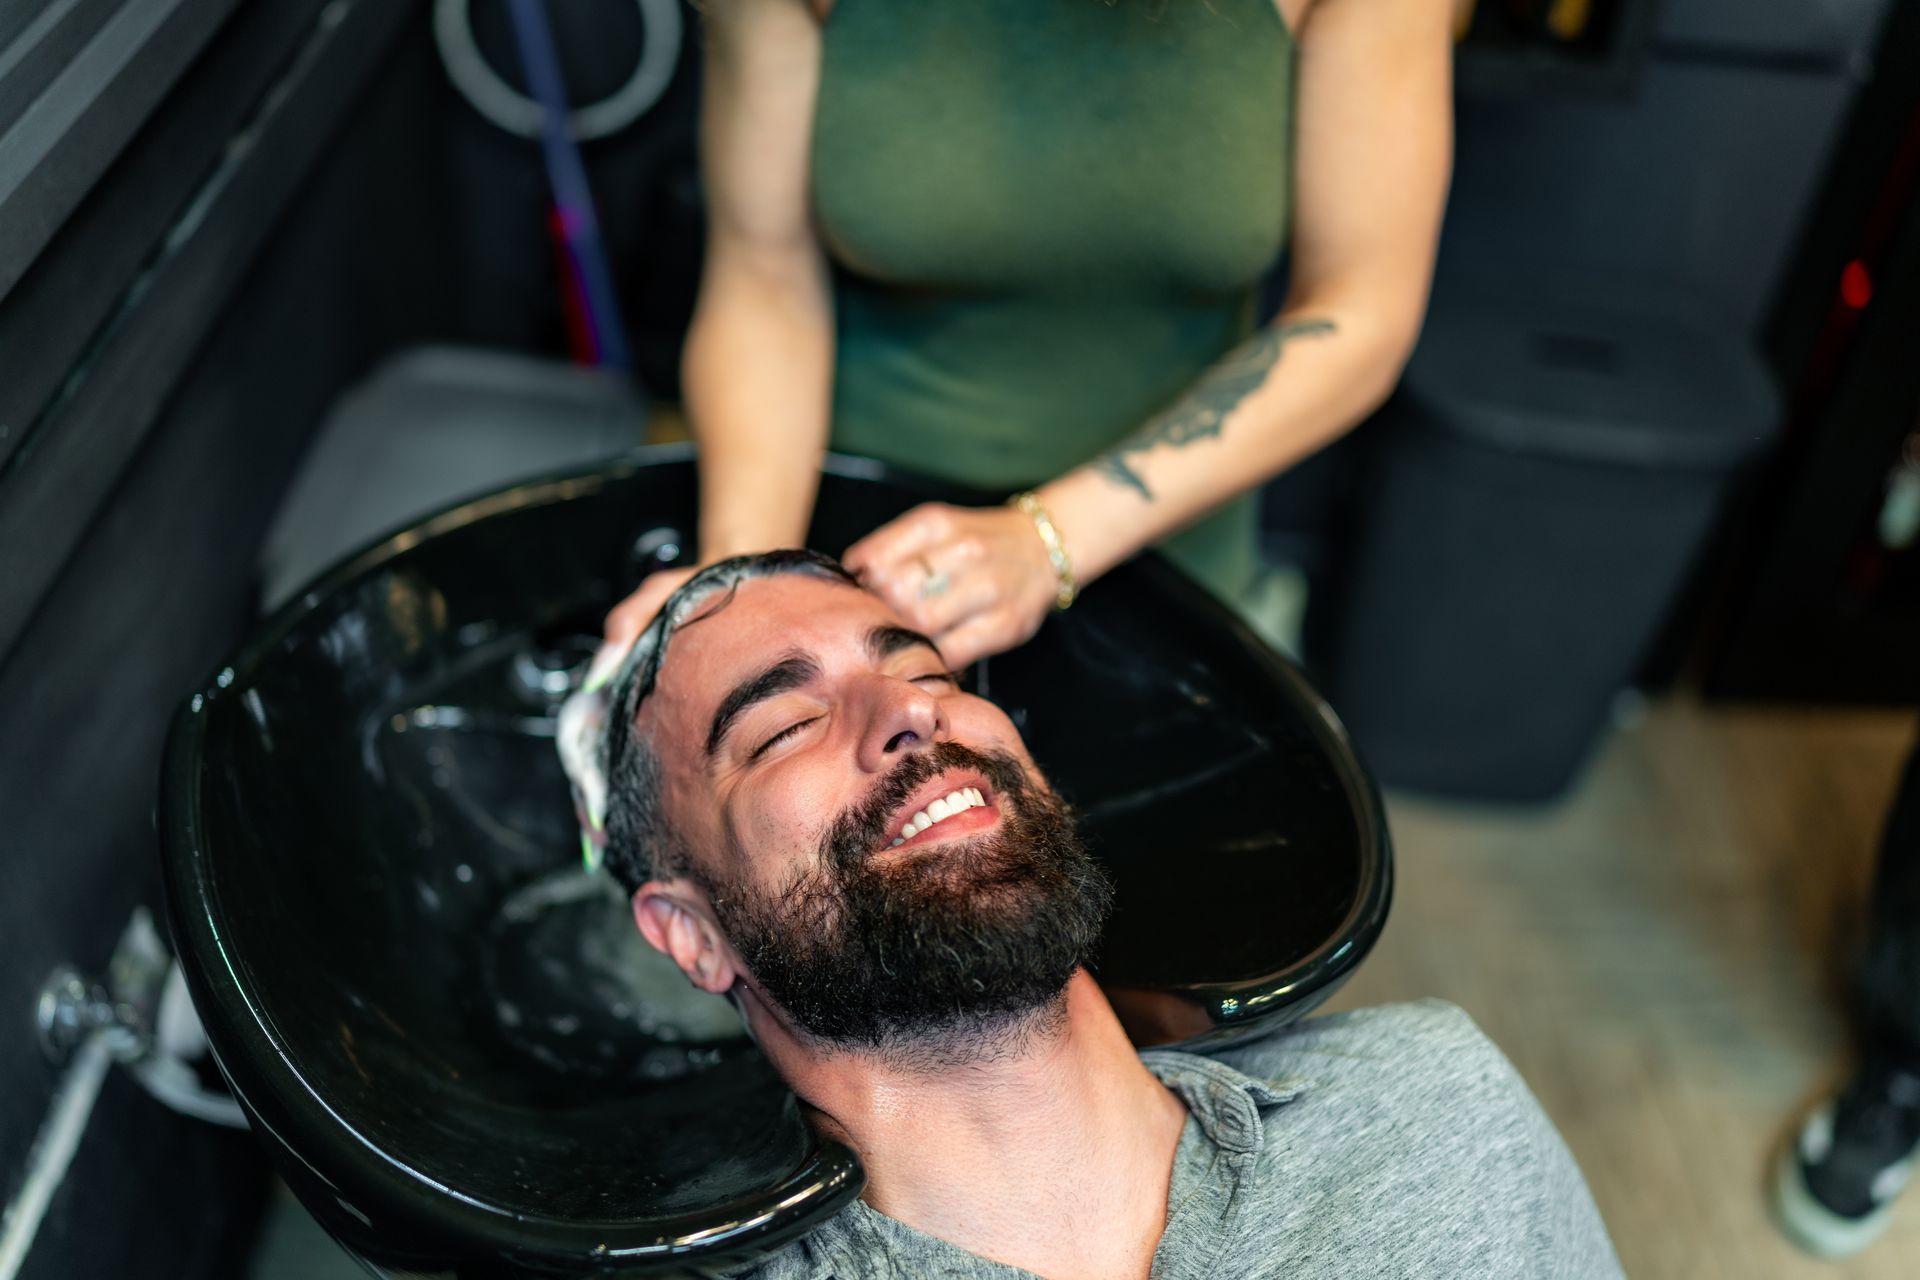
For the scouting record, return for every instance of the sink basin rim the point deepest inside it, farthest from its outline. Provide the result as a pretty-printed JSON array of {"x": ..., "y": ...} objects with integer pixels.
[{"x": 259, "y": 1063}]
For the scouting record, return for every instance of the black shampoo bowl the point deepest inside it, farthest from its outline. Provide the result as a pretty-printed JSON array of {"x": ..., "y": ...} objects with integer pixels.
[{"x": 450, "y": 1038}]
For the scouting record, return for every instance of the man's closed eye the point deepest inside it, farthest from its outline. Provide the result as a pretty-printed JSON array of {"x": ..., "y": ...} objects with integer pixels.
[{"x": 781, "y": 737}]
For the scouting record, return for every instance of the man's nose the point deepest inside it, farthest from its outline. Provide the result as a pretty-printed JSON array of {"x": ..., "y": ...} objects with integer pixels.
[{"x": 901, "y": 718}]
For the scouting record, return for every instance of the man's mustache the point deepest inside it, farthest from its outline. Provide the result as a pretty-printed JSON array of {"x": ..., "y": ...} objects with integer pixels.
[{"x": 858, "y": 833}]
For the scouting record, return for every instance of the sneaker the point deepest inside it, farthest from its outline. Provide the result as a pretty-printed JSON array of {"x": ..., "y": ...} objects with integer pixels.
[{"x": 1835, "y": 1184}]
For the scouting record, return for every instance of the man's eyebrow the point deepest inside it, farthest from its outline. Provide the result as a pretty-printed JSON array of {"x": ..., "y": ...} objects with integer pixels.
[
  {"x": 791, "y": 672},
  {"x": 886, "y": 640}
]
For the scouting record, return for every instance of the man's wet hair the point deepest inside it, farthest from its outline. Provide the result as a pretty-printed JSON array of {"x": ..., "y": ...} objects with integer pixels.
[{"x": 640, "y": 842}]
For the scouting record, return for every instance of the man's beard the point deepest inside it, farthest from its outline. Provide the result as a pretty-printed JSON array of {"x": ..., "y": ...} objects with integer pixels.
[{"x": 938, "y": 947}]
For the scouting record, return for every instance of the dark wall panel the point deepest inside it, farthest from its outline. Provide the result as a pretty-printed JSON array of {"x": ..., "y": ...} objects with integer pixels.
[
  {"x": 157, "y": 590},
  {"x": 62, "y": 300},
  {"x": 54, "y": 483}
]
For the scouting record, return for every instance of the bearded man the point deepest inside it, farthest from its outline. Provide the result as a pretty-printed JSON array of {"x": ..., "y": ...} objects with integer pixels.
[{"x": 814, "y": 818}]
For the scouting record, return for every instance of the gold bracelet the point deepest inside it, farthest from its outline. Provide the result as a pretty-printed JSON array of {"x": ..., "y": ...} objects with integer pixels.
[{"x": 1029, "y": 502}]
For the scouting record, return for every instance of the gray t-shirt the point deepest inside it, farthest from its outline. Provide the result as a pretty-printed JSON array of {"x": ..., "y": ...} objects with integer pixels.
[{"x": 1394, "y": 1141}]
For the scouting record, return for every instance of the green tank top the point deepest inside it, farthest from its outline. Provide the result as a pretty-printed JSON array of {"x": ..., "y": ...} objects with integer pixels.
[{"x": 1046, "y": 218}]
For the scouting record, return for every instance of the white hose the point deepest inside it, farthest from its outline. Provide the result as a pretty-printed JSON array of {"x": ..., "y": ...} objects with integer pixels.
[
  {"x": 179, "y": 1039},
  {"x": 175, "y": 1086}
]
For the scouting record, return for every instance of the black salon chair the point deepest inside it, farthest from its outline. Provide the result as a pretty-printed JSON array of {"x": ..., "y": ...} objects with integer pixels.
[{"x": 448, "y": 1034}]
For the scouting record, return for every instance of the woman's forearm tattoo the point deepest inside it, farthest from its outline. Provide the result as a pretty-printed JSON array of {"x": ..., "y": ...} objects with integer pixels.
[{"x": 1202, "y": 412}]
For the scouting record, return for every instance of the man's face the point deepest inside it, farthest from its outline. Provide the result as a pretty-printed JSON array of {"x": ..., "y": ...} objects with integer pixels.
[{"x": 875, "y": 843}]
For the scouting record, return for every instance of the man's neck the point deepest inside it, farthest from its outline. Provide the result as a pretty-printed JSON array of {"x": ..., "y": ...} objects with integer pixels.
[{"x": 1052, "y": 1153}]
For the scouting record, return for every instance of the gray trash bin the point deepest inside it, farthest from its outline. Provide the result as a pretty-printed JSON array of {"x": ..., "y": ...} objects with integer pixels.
[{"x": 1533, "y": 499}]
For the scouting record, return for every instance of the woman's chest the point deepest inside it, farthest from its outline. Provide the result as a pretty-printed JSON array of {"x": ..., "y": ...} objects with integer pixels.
[{"x": 1001, "y": 143}]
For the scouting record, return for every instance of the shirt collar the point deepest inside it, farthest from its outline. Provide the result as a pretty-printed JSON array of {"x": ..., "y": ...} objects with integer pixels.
[{"x": 1224, "y": 1102}]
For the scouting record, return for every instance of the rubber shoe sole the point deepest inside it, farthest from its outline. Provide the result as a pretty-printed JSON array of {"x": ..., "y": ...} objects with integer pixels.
[{"x": 1809, "y": 1223}]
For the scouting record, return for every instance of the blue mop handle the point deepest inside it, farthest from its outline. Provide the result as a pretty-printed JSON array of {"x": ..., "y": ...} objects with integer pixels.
[{"x": 568, "y": 178}]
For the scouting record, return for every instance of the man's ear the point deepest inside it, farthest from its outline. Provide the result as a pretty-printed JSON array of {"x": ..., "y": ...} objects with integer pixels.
[{"x": 673, "y": 924}]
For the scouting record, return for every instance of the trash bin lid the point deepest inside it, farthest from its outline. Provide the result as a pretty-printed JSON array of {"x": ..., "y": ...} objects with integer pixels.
[{"x": 1638, "y": 381}]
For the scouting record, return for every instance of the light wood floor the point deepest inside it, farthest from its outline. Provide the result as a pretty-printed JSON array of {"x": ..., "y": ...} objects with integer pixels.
[{"x": 1660, "y": 956}]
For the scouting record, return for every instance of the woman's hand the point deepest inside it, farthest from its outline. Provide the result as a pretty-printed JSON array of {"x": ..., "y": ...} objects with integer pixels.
[
  {"x": 975, "y": 579},
  {"x": 630, "y": 617}
]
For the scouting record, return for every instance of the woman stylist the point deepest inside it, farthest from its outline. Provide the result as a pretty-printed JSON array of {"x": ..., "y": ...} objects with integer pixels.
[{"x": 1017, "y": 243}]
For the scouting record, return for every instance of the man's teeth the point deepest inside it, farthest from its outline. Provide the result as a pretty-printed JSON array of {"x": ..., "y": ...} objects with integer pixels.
[{"x": 945, "y": 807}]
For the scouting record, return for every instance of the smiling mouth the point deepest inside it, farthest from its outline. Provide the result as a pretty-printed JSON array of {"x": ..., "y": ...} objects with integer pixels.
[{"x": 961, "y": 809}]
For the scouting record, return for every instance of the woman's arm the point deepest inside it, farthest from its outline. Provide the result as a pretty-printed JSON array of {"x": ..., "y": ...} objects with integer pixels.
[
  {"x": 1373, "y": 151},
  {"x": 759, "y": 356},
  {"x": 758, "y": 365}
]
